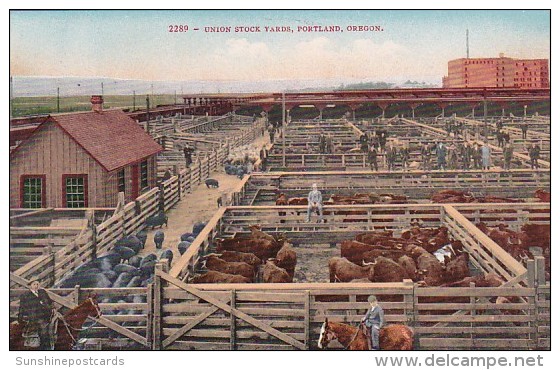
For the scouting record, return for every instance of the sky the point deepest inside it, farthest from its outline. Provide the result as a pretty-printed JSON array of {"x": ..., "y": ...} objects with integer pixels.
[{"x": 138, "y": 45}]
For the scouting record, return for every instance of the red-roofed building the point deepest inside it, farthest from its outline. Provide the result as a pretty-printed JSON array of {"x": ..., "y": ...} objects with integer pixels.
[{"x": 81, "y": 160}]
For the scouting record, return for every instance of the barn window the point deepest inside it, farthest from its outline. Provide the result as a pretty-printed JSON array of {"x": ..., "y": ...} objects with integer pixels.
[
  {"x": 75, "y": 191},
  {"x": 121, "y": 181},
  {"x": 144, "y": 174},
  {"x": 33, "y": 191}
]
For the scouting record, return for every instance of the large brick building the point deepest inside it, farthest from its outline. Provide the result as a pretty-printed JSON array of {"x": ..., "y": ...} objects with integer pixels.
[{"x": 497, "y": 72}]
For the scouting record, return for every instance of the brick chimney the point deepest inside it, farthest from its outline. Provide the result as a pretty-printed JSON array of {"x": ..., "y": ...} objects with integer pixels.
[{"x": 97, "y": 103}]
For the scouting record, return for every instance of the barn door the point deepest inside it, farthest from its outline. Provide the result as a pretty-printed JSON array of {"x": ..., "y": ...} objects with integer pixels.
[
  {"x": 135, "y": 174},
  {"x": 189, "y": 318}
]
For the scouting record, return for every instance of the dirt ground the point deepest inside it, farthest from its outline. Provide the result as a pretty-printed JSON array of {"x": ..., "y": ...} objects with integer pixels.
[
  {"x": 313, "y": 262},
  {"x": 197, "y": 206}
]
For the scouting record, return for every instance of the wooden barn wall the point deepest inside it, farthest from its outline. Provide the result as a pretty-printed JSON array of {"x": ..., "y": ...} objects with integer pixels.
[{"x": 52, "y": 152}]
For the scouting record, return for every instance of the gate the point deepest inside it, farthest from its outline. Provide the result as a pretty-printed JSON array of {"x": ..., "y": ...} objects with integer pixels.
[{"x": 189, "y": 317}]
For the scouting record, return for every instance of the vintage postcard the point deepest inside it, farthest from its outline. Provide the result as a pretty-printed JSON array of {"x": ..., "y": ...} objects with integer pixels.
[{"x": 281, "y": 180}]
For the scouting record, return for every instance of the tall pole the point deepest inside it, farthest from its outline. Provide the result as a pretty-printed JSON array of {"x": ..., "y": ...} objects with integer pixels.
[
  {"x": 175, "y": 97},
  {"x": 133, "y": 100},
  {"x": 148, "y": 113},
  {"x": 467, "y": 43},
  {"x": 101, "y": 88},
  {"x": 283, "y": 129},
  {"x": 58, "y": 100}
]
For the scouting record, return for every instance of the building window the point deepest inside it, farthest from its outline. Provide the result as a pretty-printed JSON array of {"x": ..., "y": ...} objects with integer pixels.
[
  {"x": 33, "y": 191},
  {"x": 121, "y": 181},
  {"x": 144, "y": 174},
  {"x": 75, "y": 191}
]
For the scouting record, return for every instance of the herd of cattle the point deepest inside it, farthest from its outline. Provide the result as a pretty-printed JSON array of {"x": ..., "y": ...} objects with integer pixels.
[
  {"x": 518, "y": 243},
  {"x": 424, "y": 255},
  {"x": 442, "y": 196},
  {"x": 248, "y": 259}
]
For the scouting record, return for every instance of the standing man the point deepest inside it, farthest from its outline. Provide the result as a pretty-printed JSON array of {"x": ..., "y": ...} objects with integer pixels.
[
  {"x": 466, "y": 155},
  {"x": 35, "y": 312},
  {"x": 500, "y": 138},
  {"x": 426, "y": 153},
  {"x": 271, "y": 132},
  {"x": 405, "y": 156},
  {"x": 372, "y": 157},
  {"x": 391, "y": 156},
  {"x": 535, "y": 155},
  {"x": 452, "y": 157},
  {"x": 441, "y": 152},
  {"x": 383, "y": 140},
  {"x": 524, "y": 127},
  {"x": 187, "y": 151},
  {"x": 508, "y": 154},
  {"x": 364, "y": 143},
  {"x": 374, "y": 320},
  {"x": 485, "y": 155},
  {"x": 314, "y": 203},
  {"x": 330, "y": 144}
]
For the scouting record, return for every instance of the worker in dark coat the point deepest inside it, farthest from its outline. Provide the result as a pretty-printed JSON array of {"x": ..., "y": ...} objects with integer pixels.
[
  {"x": 524, "y": 127},
  {"x": 35, "y": 312},
  {"x": 374, "y": 321},
  {"x": 391, "y": 156},
  {"x": 466, "y": 153},
  {"x": 426, "y": 154},
  {"x": 188, "y": 151},
  {"x": 508, "y": 154},
  {"x": 535, "y": 155},
  {"x": 405, "y": 156},
  {"x": 372, "y": 157}
]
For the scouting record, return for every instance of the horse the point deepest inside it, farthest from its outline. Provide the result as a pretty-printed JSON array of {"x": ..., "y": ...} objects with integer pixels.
[
  {"x": 394, "y": 337},
  {"x": 67, "y": 327}
]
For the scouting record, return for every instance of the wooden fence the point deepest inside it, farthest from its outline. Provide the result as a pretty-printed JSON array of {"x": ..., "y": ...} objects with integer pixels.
[
  {"x": 67, "y": 248},
  {"x": 289, "y": 316},
  {"x": 263, "y": 188}
]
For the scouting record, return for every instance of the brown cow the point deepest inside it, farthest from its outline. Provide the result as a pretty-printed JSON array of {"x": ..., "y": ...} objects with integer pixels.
[
  {"x": 457, "y": 268},
  {"x": 430, "y": 269},
  {"x": 212, "y": 277},
  {"x": 275, "y": 274},
  {"x": 248, "y": 258},
  {"x": 354, "y": 250},
  {"x": 372, "y": 255},
  {"x": 388, "y": 271},
  {"x": 262, "y": 248},
  {"x": 409, "y": 266},
  {"x": 373, "y": 236},
  {"x": 342, "y": 270},
  {"x": 215, "y": 263},
  {"x": 543, "y": 196},
  {"x": 286, "y": 258},
  {"x": 257, "y": 233}
]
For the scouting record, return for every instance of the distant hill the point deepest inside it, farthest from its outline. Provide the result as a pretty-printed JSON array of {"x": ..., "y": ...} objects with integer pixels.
[{"x": 85, "y": 86}]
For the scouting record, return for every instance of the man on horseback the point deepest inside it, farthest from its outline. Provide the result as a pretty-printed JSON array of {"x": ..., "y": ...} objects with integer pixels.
[
  {"x": 374, "y": 320},
  {"x": 35, "y": 312}
]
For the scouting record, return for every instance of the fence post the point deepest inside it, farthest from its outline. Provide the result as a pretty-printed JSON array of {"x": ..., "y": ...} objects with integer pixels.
[
  {"x": 179, "y": 182},
  {"x": 161, "y": 197},
  {"x": 540, "y": 273},
  {"x": 150, "y": 315},
  {"x": 409, "y": 302},
  {"x": 93, "y": 228},
  {"x": 415, "y": 314},
  {"x": 307, "y": 309},
  {"x": 157, "y": 298},
  {"x": 120, "y": 211},
  {"x": 233, "y": 324},
  {"x": 49, "y": 251},
  {"x": 531, "y": 267},
  {"x": 77, "y": 294}
]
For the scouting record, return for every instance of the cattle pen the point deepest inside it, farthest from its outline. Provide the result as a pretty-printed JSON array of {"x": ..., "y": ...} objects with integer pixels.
[{"x": 173, "y": 313}]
